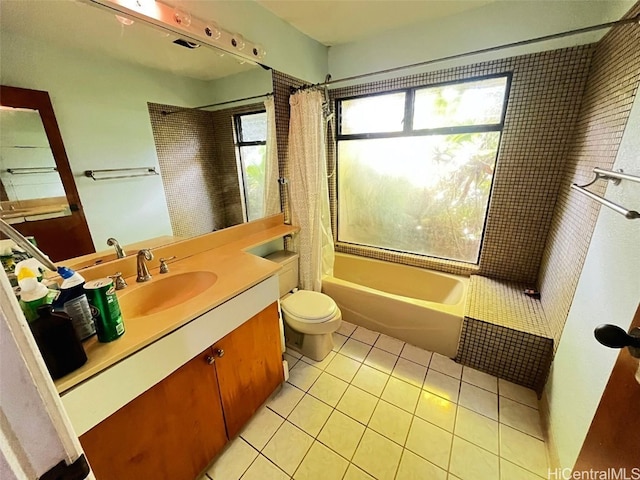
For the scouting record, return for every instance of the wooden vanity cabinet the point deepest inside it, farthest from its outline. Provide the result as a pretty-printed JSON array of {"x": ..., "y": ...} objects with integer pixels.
[{"x": 173, "y": 430}]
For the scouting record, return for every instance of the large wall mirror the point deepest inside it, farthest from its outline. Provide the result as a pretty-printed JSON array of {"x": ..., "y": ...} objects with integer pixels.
[{"x": 123, "y": 94}]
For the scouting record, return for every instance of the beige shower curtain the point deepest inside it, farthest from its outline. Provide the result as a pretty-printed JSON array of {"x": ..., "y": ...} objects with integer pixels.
[
  {"x": 309, "y": 188},
  {"x": 271, "y": 196}
]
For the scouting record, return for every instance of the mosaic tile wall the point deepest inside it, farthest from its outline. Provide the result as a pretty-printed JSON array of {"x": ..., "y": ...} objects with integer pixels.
[
  {"x": 543, "y": 105},
  {"x": 611, "y": 88},
  {"x": 196, "y": 148}
]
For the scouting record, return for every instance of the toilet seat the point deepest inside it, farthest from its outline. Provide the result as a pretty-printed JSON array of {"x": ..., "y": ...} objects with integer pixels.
[{"x": 309, "y": 307}]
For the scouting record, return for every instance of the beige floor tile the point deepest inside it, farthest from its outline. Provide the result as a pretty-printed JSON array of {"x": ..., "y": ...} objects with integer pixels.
[
  {"x": 357, "y": 404},
  {"x": 389, "y": 344},
  {"x": 303, "y": 375},
  {"x": 479, "y": 400},
  {"x": 401, "y": 394},
  {"x": 341, "y": 434},
  {"x": 509, "y": 471},
  {"x": 354, "y": 473},
  {"x": 293, "y": 353},
  {"x": 329, "y": 389},
  {"x": 263, "y": 469},
  {"x": 445, "y": 365},
  {"x": 520, "y": 417},
  {"x": 234, "y": 461},
  {"x": 322, "y": 364},
  {"x": 377, "y": 455},
  {"x": 480, "y": 379},
  {"x": 346, "y": 328},
  {"x": 518, "y": 393},
  {"x": 410, "y": 372},
  {"x": 338, "y": 341},
  {"x": 381, "y": 360},
  {"x": 523, "y": 450},
  {"x": 321, "y": 464},
  {"x": 477, "y": 429},
  {"x": 370, "y": 380},
  {"x": 430, "y": 442},
  {"x": 413, "y": 467},
  {"x": 470, "y": 462},
  {"x": 343, "y": 367},
  {"x": 442, "y": 385},
  {"x": 288, "y": 447},
  {"x": 310, "y": 415},
  {"x": 416, "y": 355},
  {"x": 355, "y": 349},
  {"x": 284, "y": 400},
  {"x": 261, "y": 428},
  {"x": 391, "y": 421},
  {"x": 436, "y": 410},
  {"x": 291, "y": 360},
  {"x": 365, "y": 335}
]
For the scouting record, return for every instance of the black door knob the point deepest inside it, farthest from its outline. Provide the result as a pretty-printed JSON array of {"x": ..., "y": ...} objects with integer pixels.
[{"x": 615, "y": 337}]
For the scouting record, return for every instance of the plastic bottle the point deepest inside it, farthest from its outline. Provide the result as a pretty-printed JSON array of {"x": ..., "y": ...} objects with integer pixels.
[
  {"x": 32, "y": 293},
  {"x": 58, "y": 342},
  {"x": 74, "y": 301}
]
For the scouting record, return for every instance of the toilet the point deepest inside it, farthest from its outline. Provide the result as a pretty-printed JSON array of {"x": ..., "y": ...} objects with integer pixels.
[{"x": 309, "y": 318}]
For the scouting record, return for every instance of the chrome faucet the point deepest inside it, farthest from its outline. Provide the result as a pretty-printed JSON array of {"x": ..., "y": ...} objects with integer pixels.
[
  {"x": 143, "y": 271},
  {"x": 112, "y": 242}
]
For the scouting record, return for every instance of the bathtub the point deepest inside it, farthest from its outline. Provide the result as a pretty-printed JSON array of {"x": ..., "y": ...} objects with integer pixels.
[{"x": 421, "y": 307}]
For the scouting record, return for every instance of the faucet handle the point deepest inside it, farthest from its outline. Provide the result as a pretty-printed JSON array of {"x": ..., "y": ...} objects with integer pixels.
[
  {"x": 164, "y": 268},
  {"x": 118, "y": 280}
]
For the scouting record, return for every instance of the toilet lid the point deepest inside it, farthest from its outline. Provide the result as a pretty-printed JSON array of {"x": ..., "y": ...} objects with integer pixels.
[{"x": 312, "y": 307}]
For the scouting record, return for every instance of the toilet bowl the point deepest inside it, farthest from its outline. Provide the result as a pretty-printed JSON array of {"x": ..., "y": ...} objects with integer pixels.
[{"x": 309, "y": 318}]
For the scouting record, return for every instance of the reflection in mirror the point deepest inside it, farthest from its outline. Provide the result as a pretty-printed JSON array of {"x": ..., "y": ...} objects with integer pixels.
[
  {"x": 30, "y": 185},
  {"x": 104, "y": 89}
]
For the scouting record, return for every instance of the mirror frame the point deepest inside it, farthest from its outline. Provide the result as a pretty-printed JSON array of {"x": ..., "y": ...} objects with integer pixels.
[{"x": 57, "y": 235}]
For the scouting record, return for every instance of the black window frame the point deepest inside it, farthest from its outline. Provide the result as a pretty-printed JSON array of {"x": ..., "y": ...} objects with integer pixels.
[{"x": 408, "y": 131}]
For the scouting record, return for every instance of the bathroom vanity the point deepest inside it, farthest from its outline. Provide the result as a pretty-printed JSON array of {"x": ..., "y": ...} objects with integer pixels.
[{"x": 195, "y": 363}]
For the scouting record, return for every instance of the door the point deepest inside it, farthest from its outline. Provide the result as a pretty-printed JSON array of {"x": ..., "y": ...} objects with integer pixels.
[
  {"x": 65, "y": 236},
  {"x": 249, "y": 367},
  {"x": 613, "y": 439},
  {"x": 171, "y": 432}
]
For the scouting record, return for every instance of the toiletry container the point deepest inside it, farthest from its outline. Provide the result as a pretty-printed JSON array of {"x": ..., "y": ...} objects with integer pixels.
[
  {"x": 310, "y": 318},
  {"x": 58, "y": 342},
  {"x": 74, "y": 301}
]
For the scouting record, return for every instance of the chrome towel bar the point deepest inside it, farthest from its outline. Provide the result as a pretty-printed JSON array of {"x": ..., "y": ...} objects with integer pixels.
[
  {"x": 116, "y": 173},
  {"x": 616, "y": 178}
]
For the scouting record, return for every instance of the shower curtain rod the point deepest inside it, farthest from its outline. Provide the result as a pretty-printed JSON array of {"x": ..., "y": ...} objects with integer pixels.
[
  {"x": 520, "y": 43},
  {"x": 183, "y": 109}
]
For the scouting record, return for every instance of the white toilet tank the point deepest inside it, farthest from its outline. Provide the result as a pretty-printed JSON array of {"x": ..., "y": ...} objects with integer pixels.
[{"x": 288, "y": 276}]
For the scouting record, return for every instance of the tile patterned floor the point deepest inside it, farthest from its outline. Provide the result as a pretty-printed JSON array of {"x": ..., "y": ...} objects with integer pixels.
[{"x": 377, "y": 408}]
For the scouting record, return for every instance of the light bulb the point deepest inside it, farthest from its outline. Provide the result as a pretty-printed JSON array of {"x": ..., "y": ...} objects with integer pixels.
[
  {"x": 259, "y": 51},
  {"x": 182, "y": 17}
]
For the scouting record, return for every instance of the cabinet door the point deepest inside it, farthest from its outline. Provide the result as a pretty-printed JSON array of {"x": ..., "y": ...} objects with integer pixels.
[
  {"x": 250, "y": 368},
  {"x": 172, "y": 431}
]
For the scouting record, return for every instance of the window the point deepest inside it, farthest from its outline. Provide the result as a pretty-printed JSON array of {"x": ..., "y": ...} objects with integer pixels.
[
  {"x": 415, "y": 167},
  {"x": 251, "y": 140}
]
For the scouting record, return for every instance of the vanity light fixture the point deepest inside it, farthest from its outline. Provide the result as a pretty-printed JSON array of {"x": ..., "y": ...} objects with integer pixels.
[{"x": 180, "y": 22}]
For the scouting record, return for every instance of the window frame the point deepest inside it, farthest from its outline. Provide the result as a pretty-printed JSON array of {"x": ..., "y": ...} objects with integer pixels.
[
  {"x": 239, "y": 143},
  {"x": 408, "y": 131}
]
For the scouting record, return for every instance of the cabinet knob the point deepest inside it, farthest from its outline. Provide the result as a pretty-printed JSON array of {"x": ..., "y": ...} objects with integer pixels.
[
  {"x": 210, "y": 360},
  {"x": 219, "y": 352}
]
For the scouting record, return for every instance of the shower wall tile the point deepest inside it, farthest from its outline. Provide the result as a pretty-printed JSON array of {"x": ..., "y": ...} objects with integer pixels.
[
  {"x": 543, "y": 106},
  {"x": 612, "y": 85},
  {"x": 197, "y": 156}
]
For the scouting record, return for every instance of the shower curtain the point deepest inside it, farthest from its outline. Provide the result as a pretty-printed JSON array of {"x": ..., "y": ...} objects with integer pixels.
[
  {"x": 309, "y": 188},
  {"x": 271, "y": 192}
]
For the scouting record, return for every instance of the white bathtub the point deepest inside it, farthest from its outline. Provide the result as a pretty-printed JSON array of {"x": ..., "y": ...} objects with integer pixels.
[{"x": 421, "y": 307}]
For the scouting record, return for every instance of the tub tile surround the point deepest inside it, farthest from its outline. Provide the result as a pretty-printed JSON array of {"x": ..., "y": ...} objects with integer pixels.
[{"x": 440, "y": 424}]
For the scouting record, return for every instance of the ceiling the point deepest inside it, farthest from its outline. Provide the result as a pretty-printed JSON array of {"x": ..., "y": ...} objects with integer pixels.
[
  {"x": 77, "y": 26},
  {"x": 334, "y": 22}
]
